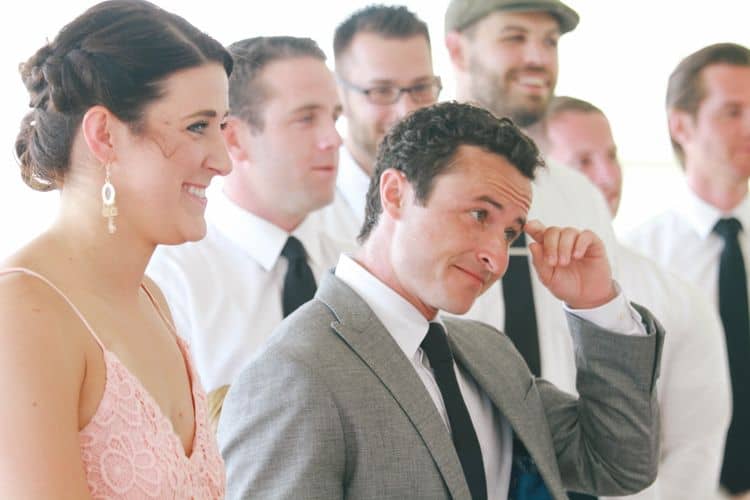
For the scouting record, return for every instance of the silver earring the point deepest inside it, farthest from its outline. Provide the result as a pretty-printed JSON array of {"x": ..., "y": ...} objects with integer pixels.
[{"x": 109, "y": 208}]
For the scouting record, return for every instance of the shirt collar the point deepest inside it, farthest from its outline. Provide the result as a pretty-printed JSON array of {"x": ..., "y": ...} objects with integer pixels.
[
  {"x": 403, "y": 321},
  {"x": 703, "y": 217},
  {"x": 352, "y": 182},
  {"x": 260, "y": 239}
]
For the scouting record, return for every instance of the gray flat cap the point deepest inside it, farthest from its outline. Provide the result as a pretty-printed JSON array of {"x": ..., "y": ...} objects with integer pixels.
[{"x": 462, "y": 13}]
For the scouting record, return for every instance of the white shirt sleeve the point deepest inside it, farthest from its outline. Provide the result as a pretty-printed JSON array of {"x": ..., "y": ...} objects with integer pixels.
[{"x": 616, "y": 315}]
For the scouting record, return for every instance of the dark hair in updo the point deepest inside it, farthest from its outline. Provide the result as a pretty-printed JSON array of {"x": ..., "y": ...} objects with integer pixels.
[{"x": 116, "y": 54}]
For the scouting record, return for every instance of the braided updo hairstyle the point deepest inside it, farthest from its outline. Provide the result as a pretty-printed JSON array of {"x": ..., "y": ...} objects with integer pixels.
[{"x": 116, "y": 54}]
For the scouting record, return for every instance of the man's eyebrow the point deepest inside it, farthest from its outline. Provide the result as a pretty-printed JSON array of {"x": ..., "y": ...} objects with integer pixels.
[
  {"x": 389, "y": 82},
  {"x": 306, "y": 107},
  {"x": 487, "y": 199},
  {"x": 524, "y": 29},
  {"x": 513, "y": 27},
  {"x": 492, "y": 202}
]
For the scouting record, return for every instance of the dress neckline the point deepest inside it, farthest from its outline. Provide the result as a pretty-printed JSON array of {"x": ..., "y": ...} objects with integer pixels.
[{"x": 110, "y": 356}]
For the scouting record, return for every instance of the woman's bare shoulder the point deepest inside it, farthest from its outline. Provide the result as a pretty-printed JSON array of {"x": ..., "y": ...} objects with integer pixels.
[{"x": 36, "y": 322}]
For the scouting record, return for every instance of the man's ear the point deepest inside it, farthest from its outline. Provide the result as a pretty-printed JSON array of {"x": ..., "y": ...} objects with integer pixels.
[
  {"x": 680, "y": 126},
  {"x": 96, "y": 127},
  {"x": 235, "y": 137},
  {"x": 393, "y": 190},
  {"x": 456, "y": 43}
]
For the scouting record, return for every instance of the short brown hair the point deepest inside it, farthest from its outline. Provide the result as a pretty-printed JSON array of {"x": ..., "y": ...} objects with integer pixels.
[
  {"x": 685, "y": 90},
  {"x": 246, "y": 93},
  {"x": 562, "y": 104},
  {"x": 395, "y": 22}
]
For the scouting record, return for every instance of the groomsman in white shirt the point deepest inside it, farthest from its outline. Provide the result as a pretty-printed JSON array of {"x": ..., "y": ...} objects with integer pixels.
[
  {"x": 705, "y": 236},
  {"x": 694, "y": 392},
  {"x": 384, "y": 71},
  {"x": 263, "y": 255}
]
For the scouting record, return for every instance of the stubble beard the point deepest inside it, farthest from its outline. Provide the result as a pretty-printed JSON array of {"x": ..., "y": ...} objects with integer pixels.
[
  {"x": 364, "y": 140},
  {"x": 492, "y": 91}
]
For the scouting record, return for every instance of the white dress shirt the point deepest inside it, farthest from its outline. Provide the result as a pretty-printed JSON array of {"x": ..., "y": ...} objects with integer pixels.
[
  {"x": 693, "y": 387},
  {"x": 561, "y": 197},
  {"x": 343, "y": 218},
  {"x": 225, "y": 290},
  {"x": 682, "y": 240},
  {"x": 408, "y": 328}
]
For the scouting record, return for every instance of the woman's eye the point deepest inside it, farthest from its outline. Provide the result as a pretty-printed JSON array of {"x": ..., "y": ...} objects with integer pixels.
[{"x": 198, "y": 127}]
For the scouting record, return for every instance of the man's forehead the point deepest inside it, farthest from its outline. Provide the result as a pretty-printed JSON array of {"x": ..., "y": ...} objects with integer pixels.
[
  {"x": 297, "y": 80},
  {"x": 489, "y": 173},
  {"x": 373, "y": 51},
  {"x": 726, "y": 79},
  {"x": 525, "y": 20}
]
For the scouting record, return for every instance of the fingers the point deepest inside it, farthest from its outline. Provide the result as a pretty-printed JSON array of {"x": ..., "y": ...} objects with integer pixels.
[
  {"x": 569, "y": 238},
  {"x": 583, "y": 243},
  {"x": 535, "y": 229},
  {"x": 543, "y": 270},
  {"x": 559, "y": 246}
]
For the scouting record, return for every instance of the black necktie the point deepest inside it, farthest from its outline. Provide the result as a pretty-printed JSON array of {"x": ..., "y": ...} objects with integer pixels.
[
  {"x": 735, "y": 472},
  {"x": 520, "y": 314},
  {"x": 435, "y": 345},
  {"x": 299, "y": 282}
]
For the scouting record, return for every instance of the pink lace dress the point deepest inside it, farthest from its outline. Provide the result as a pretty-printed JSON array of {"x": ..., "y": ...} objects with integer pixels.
[{"x": 129, "y": 448}]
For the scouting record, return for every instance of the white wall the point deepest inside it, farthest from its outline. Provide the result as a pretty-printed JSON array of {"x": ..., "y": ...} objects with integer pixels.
[{"x": 619, "y": 58}]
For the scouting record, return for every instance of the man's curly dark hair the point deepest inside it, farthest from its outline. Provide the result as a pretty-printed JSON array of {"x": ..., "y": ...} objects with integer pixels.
[{"x": 424, "y": 144}]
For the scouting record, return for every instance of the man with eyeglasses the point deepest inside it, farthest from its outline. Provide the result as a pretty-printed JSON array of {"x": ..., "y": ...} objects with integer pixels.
[{"x": 384, "y": 71}]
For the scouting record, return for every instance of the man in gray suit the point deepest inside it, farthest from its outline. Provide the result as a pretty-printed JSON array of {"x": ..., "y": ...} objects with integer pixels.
[{"x": 366, "y": 392}]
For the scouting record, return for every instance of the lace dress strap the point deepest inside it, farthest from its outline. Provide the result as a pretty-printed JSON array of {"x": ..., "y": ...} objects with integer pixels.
[
  {"x": 158, "y": 308},
  {"x": 34, "y": 274}
]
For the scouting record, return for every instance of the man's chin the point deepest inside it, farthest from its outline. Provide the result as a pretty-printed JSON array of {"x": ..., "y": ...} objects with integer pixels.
[
  {"x": 528, "y": 116},
  {"x": 458, "y": 308}
]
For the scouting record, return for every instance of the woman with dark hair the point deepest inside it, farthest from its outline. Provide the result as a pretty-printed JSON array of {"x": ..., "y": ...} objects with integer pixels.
[{"x": 101, "y": 399}]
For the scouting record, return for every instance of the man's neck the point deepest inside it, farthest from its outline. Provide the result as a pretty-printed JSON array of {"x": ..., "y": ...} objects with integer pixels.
[
  {"x": 721, "y": 193},
  {"x": 375, "y": 257},
  {"x": 273, "y": 214},
  {"x": 538, "y": 133},
  {"x": 364, "y": 160}
]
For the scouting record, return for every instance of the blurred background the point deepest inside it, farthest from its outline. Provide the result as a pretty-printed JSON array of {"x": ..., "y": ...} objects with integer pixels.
[{"x": 618, "y": 58}]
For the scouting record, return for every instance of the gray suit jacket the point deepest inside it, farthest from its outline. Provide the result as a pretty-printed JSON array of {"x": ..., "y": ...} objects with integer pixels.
[{"x": 332, "y": 408}]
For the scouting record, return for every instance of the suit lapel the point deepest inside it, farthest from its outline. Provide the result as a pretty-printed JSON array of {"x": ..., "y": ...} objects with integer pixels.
[
  {"x": 367, "y": 337},
  {"x": 506, "y": 380}
]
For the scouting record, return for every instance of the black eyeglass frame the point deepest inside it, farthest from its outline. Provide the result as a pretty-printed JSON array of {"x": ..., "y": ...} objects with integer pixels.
[{"x": 435, "y": 83}]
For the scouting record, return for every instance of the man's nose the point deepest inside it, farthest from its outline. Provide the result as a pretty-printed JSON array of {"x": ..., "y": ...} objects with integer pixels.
[{"x": 493, "y": 254}]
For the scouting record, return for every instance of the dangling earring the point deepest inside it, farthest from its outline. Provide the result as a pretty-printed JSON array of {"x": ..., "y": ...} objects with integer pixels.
[{"x": 109, "y": 209}]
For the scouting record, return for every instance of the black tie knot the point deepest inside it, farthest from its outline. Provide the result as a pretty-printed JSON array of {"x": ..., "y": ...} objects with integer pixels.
[
  {"x": 299, "y": 281},
  {"x": 293, "y": 249},
  {"x": 728, "y": 228},
  {"x": 435, "y": 345}
]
